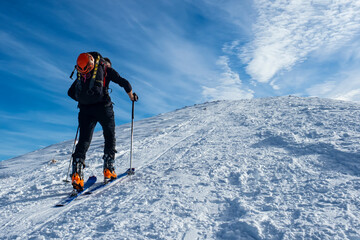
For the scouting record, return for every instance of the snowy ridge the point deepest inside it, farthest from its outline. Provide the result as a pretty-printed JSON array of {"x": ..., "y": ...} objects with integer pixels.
[{"x": 273, "y": 168}]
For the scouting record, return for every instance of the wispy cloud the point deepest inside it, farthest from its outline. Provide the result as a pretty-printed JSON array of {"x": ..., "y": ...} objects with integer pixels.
[
  {"x": 28, "y": 62},
  {"x": 346, "y": 87},
  {"x": 228, "y": 85},
  {"x": 170, "y": 65},
  {"x": 239, "y": 14},
  {"x": 24, "y": 140},
  {"x": 287, "y": 31}
]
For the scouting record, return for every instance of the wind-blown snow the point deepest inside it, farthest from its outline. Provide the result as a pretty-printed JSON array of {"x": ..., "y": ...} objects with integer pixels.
[{"x": 274, "y": 168}]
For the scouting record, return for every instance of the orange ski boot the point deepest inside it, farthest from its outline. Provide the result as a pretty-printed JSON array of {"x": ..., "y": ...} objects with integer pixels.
[
  {"x": 109, "y": 170},
  {"x": 109, "y": 175},
  {"x": 77, "y": 177},
  {"x": 77, "y": 182}
]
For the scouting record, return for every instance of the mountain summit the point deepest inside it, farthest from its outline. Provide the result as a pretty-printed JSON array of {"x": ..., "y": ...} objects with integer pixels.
[{"x": 272, "y": 168}]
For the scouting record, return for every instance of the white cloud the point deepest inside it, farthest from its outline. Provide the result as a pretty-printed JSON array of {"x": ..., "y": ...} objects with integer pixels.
[
  {"x": 229, "y": 85},
  {"x": 238, "y": 13},
  {"x": 345, "y": 87},
  {"x": 286, "y": 32},
  {"x": 30, "y": 63}
]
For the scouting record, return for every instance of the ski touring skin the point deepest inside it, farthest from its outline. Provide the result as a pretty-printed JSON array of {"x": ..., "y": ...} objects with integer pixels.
[
  {"x": 119, "y": 178},
  {"x": 91, "y": 181}
]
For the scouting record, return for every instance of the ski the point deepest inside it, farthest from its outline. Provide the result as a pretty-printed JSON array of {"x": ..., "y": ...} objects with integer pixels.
[
  {"x": 91, "y": 181},
  {"x": 119, "y": 178}
]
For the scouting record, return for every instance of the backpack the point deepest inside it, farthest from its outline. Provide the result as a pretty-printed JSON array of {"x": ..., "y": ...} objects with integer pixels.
[{"x": 91, "y": 89}]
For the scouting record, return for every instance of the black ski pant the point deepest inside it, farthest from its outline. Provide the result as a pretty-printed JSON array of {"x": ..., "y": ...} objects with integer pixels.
[{"x": 89, "y": 116}]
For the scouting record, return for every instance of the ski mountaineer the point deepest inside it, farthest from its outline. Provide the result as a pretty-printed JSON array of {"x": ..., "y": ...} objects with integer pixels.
[{"x": 90, "y": 90}]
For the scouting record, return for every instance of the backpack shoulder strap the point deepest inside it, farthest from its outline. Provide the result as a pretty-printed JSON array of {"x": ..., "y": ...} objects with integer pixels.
[{"x": 92, "y": 80}]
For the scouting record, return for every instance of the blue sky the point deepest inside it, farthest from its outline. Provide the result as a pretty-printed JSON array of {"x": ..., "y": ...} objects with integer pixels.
[{"x": 175, "y": 53}]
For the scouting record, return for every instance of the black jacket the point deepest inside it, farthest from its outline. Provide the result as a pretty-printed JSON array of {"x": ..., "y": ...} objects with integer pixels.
[{"x": 110, "y": 75}]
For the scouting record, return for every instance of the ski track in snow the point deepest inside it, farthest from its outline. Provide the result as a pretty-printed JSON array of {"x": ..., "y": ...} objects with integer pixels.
[{"x": 273, "y": 168}]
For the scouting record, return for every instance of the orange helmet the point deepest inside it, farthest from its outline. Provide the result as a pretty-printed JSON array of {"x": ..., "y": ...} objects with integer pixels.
[{"x": 85, "y": 63}]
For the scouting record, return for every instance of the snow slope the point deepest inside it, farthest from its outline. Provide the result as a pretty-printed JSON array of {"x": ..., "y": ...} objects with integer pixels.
[{"x": 274, "y": 168}]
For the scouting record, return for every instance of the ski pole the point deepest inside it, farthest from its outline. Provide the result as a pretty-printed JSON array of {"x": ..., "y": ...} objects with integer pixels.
[
  {"x": 67, "y": 175},
  {"x": 131, "y": 171}
]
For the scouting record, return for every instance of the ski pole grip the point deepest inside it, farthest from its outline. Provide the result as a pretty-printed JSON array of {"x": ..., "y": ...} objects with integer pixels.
[
  {"x": 133, "y": 105},
  {"x": 136, "y": 98},
  {"x": 132, "y": 111}
]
